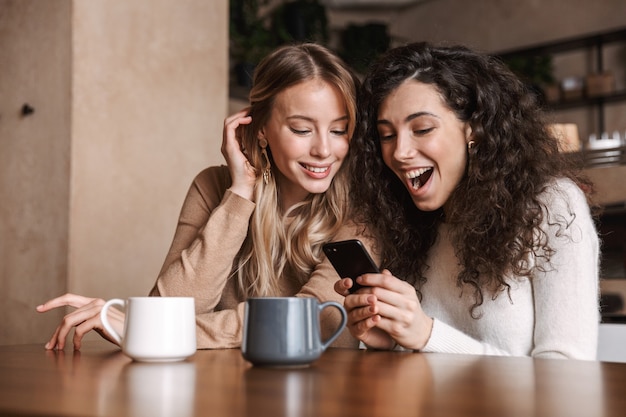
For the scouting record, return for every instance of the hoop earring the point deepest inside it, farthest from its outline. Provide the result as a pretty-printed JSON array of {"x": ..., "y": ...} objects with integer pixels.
[
  {"x": 267, "y": 171},
  {"x": 471, "y": 145}
]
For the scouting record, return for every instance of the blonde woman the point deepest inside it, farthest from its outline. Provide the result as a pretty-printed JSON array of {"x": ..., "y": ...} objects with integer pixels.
[{"x": 256, "y": 226}]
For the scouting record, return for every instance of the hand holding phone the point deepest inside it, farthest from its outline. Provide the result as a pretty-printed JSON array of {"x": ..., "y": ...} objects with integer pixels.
[{"x": 350, "y": 259}]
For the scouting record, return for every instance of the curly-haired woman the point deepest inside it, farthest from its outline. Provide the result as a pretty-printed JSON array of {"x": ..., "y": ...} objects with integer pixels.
[{"x": 485, "y": 228}]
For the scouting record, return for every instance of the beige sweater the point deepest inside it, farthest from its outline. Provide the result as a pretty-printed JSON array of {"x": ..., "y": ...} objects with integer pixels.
[{"x": 211, "y": 229}]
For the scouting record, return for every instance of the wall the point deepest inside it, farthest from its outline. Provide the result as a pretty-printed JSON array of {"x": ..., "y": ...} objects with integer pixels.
[
  {"x": 150, "y": 96},
  {"x": 34, "y": 162},
  {"x": 491, "y": 25},
  {"x": 129, "y": 98}
]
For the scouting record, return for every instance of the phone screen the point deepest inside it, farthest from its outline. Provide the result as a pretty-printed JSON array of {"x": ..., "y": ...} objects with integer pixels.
[{"x": 350, "y": 259}]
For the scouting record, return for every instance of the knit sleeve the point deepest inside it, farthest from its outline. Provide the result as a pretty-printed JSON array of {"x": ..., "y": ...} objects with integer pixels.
[
  {"x": 211, "y": 229},
  {"x": 220, "y": 329},
  {"x": 565, "y": 292},
  {"x": 447, "y": 339}
]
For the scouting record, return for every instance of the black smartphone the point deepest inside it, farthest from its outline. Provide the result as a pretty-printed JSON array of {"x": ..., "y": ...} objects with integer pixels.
[{"x": 350, "y": 259}]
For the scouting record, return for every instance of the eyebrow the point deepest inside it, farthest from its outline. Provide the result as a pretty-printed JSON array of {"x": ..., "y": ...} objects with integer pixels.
[
  {"x": 309, "y": 119},
  {"x": 410, "y": 117}
]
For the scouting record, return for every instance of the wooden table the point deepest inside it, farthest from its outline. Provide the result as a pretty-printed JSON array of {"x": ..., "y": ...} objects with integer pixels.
[{"x": 100, "y": 380}]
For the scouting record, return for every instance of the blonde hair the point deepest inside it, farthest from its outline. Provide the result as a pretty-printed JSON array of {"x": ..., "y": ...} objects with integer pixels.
[{"x": 289, "y": 244}]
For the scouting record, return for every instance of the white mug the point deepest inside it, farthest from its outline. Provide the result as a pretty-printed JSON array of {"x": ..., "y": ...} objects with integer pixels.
[{"x": 156, "y": 329}]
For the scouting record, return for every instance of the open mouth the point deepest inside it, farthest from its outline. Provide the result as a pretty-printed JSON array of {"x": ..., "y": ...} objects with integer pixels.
[{"x": 419, "y": 177}]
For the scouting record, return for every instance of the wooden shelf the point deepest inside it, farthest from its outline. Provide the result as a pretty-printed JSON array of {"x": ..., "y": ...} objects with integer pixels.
[
  {"x": 615, "y": 97},
  {"x": 592, "y": 42},
  {"x": 604, "y": 157},
  {"x": 567, "y": 45}
]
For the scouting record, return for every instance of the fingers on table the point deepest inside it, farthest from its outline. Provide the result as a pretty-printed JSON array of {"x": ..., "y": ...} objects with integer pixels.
[
  {"x": 86, "y": 317},
  {"x": 72, "y": 300}
]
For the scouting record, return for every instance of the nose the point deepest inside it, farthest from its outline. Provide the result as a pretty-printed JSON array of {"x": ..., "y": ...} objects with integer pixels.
[
  {"x": 320, "y": 146},
  {"x": 405, "y": 147}
]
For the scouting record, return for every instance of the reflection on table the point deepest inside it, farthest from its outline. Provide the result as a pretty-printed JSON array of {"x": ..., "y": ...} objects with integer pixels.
[{"x": 100, "y": 380}]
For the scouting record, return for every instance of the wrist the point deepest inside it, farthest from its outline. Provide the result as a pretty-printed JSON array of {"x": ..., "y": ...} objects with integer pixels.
[
  {"x": 426, "y": 332},
  {"x": 422, "y": 335},
  {"x": 243, "y": 191}
]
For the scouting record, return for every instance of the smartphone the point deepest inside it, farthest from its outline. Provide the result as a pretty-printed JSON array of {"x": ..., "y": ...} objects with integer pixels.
[{"x": 350, "y": 259}]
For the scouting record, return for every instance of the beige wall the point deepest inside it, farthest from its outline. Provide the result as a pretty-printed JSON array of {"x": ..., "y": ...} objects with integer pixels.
[
  {"x": 34, "y": 162},
  {"x": 129, "y": 99}
]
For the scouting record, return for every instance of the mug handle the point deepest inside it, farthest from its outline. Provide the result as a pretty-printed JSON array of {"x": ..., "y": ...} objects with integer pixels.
[
  {"x": 342, "y": 325},
  {"x": 105, "y": 319}
]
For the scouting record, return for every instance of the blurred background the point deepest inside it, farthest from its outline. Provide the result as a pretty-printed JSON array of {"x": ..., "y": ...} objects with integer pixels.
[{"x": 108, "y": 109}]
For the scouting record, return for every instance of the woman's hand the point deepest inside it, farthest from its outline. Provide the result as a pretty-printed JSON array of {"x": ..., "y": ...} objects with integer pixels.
[
  {"x": 363, "y": 316},
  {"x": 243, "y": 175},
  {"x": 385, "y": 312},
  {"x": 86, "y": 317}
]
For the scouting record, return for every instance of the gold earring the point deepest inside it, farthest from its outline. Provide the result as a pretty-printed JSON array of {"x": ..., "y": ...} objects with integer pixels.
[
  {"x": 471, "y": 144},
  {"x": 267, "y": 172}
]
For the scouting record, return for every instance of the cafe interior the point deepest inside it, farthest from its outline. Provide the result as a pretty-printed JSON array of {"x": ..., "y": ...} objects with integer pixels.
[
  {"x": 94, "y": 162},
  {"x": 108, "y": 109}
]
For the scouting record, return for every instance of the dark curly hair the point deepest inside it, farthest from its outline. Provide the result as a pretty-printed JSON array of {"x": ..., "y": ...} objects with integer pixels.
[{"x": 495, "y": 211}]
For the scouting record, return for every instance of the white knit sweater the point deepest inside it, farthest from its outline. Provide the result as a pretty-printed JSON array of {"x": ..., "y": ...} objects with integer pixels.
[{"x": 553, "y": 314}]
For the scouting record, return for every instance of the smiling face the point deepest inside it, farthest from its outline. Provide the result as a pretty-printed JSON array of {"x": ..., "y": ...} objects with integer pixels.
[
  {"x": 423, "y": 143},
  {"x": 307, "y": 133}
]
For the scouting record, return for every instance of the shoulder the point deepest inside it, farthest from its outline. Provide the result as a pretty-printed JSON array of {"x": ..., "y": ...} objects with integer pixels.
[
  {"x": 568, "y": 187},
  {"x": 563, "y": 194},
  {"x": 567, "y": 209},
  {"x": 213, "y": 180}
]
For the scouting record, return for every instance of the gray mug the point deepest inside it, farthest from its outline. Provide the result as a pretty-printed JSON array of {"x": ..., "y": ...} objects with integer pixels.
[{"x": 285, "y": 331}]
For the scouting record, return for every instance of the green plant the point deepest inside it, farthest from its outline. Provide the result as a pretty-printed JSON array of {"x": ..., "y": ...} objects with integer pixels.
[
  {"x": 361, "y": 44},
  {"x": 300, "y": 21},
  {"x": 250, "y": 35},
  {"x": 535, "y": 70}
]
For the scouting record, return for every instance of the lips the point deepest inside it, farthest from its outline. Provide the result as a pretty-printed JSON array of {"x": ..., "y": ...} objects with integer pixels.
[
  {"x": 419, "y": 177},
  {"x": 316, "y": 170}
]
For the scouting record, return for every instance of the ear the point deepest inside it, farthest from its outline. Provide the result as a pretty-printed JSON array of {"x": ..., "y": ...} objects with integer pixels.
[
  {"x": 261, "y": 137},
  {"x": 468, "y": 133}
]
